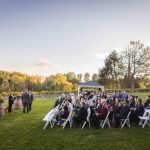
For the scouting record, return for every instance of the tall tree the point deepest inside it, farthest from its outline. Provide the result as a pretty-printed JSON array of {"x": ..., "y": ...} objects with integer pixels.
[
  {"x": 70, "y": 76},
  {"x": 95, "y": 77},
  {"x": 136, "y": 61},
  {"x": 86, "y": 76},
  {"x": 79, "y": 77},
  {"x": 112, "y": 70}
]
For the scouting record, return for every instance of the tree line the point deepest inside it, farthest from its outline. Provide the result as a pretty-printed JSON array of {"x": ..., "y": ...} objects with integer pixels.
[
  {"x": 17, "y": 81},
  {"x": 129, "y": 68}
]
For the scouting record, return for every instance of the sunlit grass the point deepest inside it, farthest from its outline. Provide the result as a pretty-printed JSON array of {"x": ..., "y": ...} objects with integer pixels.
[{"x": 25, "y": 131}]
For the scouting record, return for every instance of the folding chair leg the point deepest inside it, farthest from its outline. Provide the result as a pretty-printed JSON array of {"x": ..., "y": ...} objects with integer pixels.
[
  {"x": 84, "y": 124},
  {"x": 71, "y": 122},
  {"x": 46, "y": 125},
  {"x": 89, "y": 125},
  {"x": 145, "y": 122},
  {"x": 108, "y": 123},
  {"x": 124, "y": 123},
  {"x": 64, "y": 124},
  {"x": 128, "y": 123},
  {"x": 103, "y": 124},
  {"x": 53, "y": 123}
]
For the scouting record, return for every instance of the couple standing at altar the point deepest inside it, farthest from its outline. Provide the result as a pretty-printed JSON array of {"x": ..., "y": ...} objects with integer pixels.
[{"x": 27, "y": 99}]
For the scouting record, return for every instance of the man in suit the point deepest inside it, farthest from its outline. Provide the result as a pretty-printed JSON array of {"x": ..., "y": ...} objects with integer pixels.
[
  {"x": 25, "y": 101},
  {"x": 101, "y": 114}
]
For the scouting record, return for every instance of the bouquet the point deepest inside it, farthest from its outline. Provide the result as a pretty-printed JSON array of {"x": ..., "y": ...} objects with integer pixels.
[{"x": 18, "y": 96}]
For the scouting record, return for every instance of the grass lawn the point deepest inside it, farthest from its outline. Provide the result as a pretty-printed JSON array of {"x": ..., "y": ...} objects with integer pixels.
[{"x": 25, "y": 131}]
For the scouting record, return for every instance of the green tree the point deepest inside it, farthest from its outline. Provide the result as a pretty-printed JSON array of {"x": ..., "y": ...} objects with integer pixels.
[
  {"x": 86, "y": 76},
  {"x": 112, "y": 71},
  {"x": 79, "y": 77},
  {"x": 136, "y": 61},
  {"x": 95, "y": 77}
]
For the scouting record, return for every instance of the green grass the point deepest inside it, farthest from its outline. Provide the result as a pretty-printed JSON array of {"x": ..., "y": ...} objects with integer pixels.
[{"x": 25, "y": 131}]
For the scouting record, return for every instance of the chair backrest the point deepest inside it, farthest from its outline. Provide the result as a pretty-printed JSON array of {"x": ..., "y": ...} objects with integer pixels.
[
  {"x": 47, "y": 117},
  {"x": 89, "y": 113},
  {"x": 146, "y": 112}
]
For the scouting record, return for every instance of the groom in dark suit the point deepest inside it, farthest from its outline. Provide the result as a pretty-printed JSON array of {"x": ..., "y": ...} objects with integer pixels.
[{"x": 25, "y": 101}]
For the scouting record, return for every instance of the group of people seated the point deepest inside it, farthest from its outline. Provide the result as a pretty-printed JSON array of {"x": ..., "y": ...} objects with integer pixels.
[{"x": 118, "y": 104}]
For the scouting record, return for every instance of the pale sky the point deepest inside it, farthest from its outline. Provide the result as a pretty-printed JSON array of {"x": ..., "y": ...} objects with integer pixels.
[{"x": 49, "y": 36}]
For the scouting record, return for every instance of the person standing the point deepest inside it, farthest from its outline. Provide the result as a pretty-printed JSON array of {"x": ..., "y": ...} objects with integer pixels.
[
  {"x": 25, "y": 101},
  {"x": 11, "y": 99},
  {"x": 31, "y": 100}
]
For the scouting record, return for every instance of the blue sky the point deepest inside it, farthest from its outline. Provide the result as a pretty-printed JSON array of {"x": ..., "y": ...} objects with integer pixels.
[{"x": 46, "y": 37}]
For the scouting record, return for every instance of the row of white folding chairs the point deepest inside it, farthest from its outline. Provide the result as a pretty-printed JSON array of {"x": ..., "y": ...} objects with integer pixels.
[
  {"x": 144, "y": 120},
  {"x": 106, "y": 121},
  {"x": 52, "y": 119}
]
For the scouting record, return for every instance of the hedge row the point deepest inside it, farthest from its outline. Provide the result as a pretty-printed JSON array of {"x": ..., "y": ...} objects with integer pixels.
[{"x": 60, "y": 92}]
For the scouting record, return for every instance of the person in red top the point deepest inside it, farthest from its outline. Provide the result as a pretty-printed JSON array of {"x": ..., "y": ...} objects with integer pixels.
[{"x": 101, "y": 114}]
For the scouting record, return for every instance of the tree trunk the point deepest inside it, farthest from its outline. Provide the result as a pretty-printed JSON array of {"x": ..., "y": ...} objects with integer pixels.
[{"x": 132, "y": 83}]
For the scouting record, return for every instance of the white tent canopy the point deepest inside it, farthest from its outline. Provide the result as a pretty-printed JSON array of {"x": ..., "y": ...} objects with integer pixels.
[{"x": 90, "y": 84}]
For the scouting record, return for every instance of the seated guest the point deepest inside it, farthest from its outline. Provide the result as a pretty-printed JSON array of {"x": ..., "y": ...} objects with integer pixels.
[
  {"x": 111, "y": 106},
  {"x": 120, "y": 94},
  {"x": 101, "y": 114},
  {"x": 138, "y": 111},
  {"x": 77, "y": 105},
  {"x": 132, "y": 101},
  {"x": 117, "y": 109},
  {"x": 147, "y": 103},
  {"x": 69, "y": 104},
  {"x": 124, "y": 110},
  {"x": 124, "y": 96},
  {"x": 65, "y": 112},
  {"x": 81, "y": 116},
  {"x": 123, "y": 113},
  {"x": 112, "y": 102},
  {"x": 92, "y": 102},
  {"x": 60, "y": 100},
  {"x": 99, "y": 106}
]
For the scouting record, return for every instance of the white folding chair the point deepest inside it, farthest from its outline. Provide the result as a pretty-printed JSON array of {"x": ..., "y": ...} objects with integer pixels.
[
  {"x": 88, "y": 118},
  {"x": 54, "y": 120},
  {"x": 125, "y": 121},
  {"x": 105, "y": 121},
  {"x": 50, "y": 117},
  {"x": 69, "y": 119},
  {"x": 145, "y": 119}
]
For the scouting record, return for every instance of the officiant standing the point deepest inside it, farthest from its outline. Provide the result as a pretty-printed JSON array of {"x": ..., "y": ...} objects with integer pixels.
[{"x": 11, "y": 99}]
